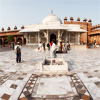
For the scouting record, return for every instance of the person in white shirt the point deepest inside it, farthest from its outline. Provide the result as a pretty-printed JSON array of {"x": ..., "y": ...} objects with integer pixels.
[
  {"x": 18, "y": 52},
  {"x": 40, "y": 46},
  {"x": 53, "y": 50}
]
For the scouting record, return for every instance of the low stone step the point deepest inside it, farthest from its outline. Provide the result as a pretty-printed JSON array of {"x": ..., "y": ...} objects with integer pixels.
[{"x": 91, "y": 87}]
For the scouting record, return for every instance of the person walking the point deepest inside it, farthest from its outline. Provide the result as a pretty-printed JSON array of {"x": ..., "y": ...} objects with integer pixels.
[
  {"x": 51, "y": 43},
  {"x": 48, "y": 45},
  {"x": 53, "y": 50},
  {"x": 18, "y": 52},
  {"x": 40, "y": 46}
]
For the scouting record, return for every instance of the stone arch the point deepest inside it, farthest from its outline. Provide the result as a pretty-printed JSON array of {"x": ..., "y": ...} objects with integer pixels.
[
  {"x": 5, "y": 42},
  {"x": 0, "y": 41},
  {"x": 24, "y": 40},
  {"x": 19, "y": 40},
  {"x": 52, "y": 37}
]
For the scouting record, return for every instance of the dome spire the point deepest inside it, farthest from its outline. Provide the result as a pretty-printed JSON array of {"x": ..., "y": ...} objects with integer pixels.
[{"x": 52, "y": 12}]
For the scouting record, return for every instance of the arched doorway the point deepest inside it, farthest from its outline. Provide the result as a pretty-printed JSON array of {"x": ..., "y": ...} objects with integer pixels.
[
  {"x": 24, "y": 40},
  {"x": 52, "y": 38},
  {"x": 19, "y": 40},
  {"x": 0, "y": 41},
  {"x": 5, "y": 41}
]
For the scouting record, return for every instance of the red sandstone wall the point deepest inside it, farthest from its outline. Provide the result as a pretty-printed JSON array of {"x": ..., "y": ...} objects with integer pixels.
[
  {"x": 15, "y": 33},
  {"x": 83, "y": 25},
  {"x": 95, "y": 36}
]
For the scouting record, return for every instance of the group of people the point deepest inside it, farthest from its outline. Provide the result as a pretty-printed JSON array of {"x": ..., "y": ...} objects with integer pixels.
[
  {"x": 44, "y": 46},
  {"x": 51, "y": 46},
  {"x": 18, "y": 50},
  {"x": 64, "y": 47}
]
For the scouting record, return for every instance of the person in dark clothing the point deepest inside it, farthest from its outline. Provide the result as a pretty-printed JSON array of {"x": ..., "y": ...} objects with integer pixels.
[
  {"x": 48, "y": 45},
  {"x": 18, "y": 52}
]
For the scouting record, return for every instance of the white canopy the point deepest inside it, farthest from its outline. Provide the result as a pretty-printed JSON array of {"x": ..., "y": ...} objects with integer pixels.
[
  {"x": 37, "y": 28},
  {"x": 67, "y": 27}
]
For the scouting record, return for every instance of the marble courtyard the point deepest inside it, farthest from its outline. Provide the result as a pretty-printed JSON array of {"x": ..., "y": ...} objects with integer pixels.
[{"x": 24, "y": 81}]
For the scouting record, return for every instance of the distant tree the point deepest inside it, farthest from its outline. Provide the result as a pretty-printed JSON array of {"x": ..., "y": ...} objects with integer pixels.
[{"x": 10, "y": 39}]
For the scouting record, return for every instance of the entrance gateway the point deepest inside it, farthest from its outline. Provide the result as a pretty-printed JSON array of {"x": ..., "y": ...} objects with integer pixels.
[
  {"x": 52, "y": 28},
  {"x": 53, "y": 38},
  {"x": 0, "y": 41}
]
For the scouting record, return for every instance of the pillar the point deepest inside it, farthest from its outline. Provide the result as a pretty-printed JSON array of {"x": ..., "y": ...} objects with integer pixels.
[
  {"x": 26, "y": 36},
  {"x": 22, "y": 40},
  {"x": 47, "y": 36},
  {"x": 58, "y": 34},
  {"x": 29, "y": 37},
  {"x": 69, "y": 37},
  {"x": 66, "y": 37},
  {"x": 3, "y": 41},
  {"x": 58, "y": 37},
  {"x": 78, "y": 38},
  {"x": 38, "y": 37},
  {"x": 15, "y": 38}
]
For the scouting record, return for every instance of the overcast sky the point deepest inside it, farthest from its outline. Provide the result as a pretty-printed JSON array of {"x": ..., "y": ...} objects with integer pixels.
[{"x": 25, "y": 12}]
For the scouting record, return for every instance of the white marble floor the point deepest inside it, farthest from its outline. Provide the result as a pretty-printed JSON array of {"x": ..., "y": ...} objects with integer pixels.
[{"x": 12, "y": 73}]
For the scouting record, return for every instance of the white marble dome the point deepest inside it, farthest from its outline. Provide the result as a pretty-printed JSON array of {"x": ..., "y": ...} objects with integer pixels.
[{"x": 51, "y": 19}]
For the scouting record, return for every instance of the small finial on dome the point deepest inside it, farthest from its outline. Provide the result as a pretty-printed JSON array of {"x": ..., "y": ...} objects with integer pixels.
[{"x": 51, "y": 11}]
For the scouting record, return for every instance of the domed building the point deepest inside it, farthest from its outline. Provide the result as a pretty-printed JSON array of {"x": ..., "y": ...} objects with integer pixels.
[
  {"x": 52, "y": 28},
  {"x": 52, "y": 19}
]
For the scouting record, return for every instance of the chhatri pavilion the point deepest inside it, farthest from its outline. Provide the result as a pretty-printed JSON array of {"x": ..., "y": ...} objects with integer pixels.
[{"x": 52, "y": 28}]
